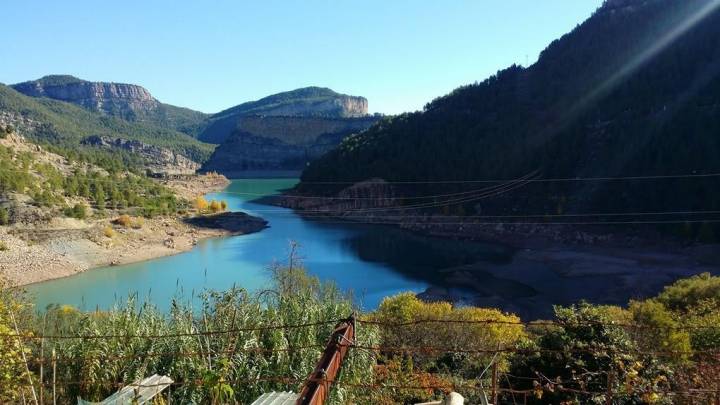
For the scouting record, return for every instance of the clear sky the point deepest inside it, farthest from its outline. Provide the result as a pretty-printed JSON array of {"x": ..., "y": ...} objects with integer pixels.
[{"x": 211, "y": 55}]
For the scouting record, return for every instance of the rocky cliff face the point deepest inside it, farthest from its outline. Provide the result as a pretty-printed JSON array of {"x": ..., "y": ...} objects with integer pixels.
[
  {"x": 341, "y": 106},
  {"x": 159, "y": 160},
  {"x": 281, "y": 143},
  {"x": 305, "y": 102},
  {"x": 112, "y": 98},
  {"x": 127, "y": 101}
]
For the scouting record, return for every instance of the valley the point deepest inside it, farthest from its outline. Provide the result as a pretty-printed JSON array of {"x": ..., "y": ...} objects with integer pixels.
[{"x": 336, "y": 203}]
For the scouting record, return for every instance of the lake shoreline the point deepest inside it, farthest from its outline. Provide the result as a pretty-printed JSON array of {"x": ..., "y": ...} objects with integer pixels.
[
  {"x": 67, "y": 247},
  {"x": 626, "y": 264}
]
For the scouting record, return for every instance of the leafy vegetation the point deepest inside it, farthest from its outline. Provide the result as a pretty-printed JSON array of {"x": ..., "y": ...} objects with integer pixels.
[
  {"x": 651, "y": 352},
  {"x": 71, "y": 193},
  {"x": 209, "y": 367},
  {"x": 203, "y": 206}
]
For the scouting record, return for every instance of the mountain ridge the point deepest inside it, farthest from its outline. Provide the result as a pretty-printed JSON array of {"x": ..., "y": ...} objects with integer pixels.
[{"x": 131, "y": 102}]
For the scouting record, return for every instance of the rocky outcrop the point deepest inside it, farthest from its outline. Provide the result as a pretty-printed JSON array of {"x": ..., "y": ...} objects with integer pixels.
[
  {"x": 159, "y": 160},
  {"x": 281, "y": 143},
  {"x": 127, "y": 101},
  {"x": 339, "y": 106},
  {"x": 306, "y": 102},
  {"x": 233, "y": 222},
  {"x": 112, "y": 98}
]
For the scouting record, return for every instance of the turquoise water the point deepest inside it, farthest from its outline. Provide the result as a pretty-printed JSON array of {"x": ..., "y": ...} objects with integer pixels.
[{"x": 358, "y": 257}]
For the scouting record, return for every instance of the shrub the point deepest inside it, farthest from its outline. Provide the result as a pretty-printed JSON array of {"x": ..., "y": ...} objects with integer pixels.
[
  {"x": 660, "y": 330},
  {"x": 214, "y": 206},
  {"x": 223, "y": 205},
  {"x": 78, "y": 211},
  {"x": 200, "y": 204},
  {"x": 137, "y": 223},
  {"x": 124, "y": 220},
  {"x": 4, "y": 216},
  {"x": 3, "y": 246},
  {"x": 108, "y": 231},
  {"x": 702, "y": 290}
]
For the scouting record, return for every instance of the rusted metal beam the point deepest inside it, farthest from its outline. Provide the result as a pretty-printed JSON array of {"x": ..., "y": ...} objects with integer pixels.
[{"x": 317, "y": 387}]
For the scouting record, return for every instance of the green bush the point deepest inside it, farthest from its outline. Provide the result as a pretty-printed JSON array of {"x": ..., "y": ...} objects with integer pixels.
[
  {"x": 78, "y": 211},
  {"x": 4, "y": 216}
]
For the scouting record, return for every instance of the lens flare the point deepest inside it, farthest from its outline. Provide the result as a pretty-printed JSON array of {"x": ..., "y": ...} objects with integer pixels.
[{"x": 649, "y": 53}]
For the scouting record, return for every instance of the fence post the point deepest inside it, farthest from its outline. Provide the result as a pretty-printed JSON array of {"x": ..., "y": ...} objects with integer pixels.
[{"x": 610, "y": 382}]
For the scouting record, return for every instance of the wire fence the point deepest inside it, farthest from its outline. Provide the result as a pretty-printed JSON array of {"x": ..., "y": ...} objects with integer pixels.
[{"x": 539, "y": 382}]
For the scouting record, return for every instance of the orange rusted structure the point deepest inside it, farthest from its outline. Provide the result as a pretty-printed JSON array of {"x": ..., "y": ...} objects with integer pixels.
[{"x": 317, "y": 387}]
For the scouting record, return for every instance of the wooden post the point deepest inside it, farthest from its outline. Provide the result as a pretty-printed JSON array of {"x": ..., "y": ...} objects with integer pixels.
[
  {"x": 610, "y": 382},
  {"x": 317, "y": 387}
]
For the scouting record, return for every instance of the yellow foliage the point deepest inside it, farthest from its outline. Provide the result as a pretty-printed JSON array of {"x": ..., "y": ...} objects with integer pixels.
[
  {"x": 223, "y": 205},
  {"x": 200, "y": 204},
  {"x": 215, "y": 206},
  {"x": 123, "y": 220},
  {"x": 487, "y": 329}
]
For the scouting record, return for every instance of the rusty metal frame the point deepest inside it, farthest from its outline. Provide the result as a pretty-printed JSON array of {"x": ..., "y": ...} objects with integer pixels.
[{"x": 317, "y": 387}]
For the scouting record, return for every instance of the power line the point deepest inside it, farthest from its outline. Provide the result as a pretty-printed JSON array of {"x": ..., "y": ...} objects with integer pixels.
[
  {"x": 170, "y": 335},
  {"x": 559, "y": 179}
]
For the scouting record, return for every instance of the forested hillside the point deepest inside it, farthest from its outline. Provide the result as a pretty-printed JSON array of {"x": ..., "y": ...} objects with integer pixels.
[{"x": 633, "y": 91}]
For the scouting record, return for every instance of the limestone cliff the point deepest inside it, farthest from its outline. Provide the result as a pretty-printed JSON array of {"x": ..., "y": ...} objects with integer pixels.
[
  {"x": 112, "y": 98},
  {"x": 127, "y": 101},
  {"x": 305, "y": 102}
]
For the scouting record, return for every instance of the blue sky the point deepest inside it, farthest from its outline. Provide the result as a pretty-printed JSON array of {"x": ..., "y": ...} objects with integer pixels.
[{"x": 211, "y": 55}]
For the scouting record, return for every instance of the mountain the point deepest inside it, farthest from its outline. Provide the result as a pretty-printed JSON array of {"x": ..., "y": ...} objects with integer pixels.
[
  {"x": 305, "y": 102},
  {"x": 284, "y": 131},
  {"x": 632, "y": 91},
  {"x": 127, "y": 101},
  {"x": 64, "y": 125}
]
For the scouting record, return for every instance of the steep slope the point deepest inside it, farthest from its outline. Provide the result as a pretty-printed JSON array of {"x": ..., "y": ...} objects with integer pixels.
[
  {"x": 65, "y": 125},
  {"x": 127, "y": 101},
  {"x": 281, "y": 143},
  {"x": 633, "y": 91},
  {"x": 305, "y": 102}
]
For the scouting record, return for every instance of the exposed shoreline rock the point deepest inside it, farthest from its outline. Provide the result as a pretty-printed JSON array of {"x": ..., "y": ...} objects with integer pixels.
[{"x": 237, "y": 223}]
